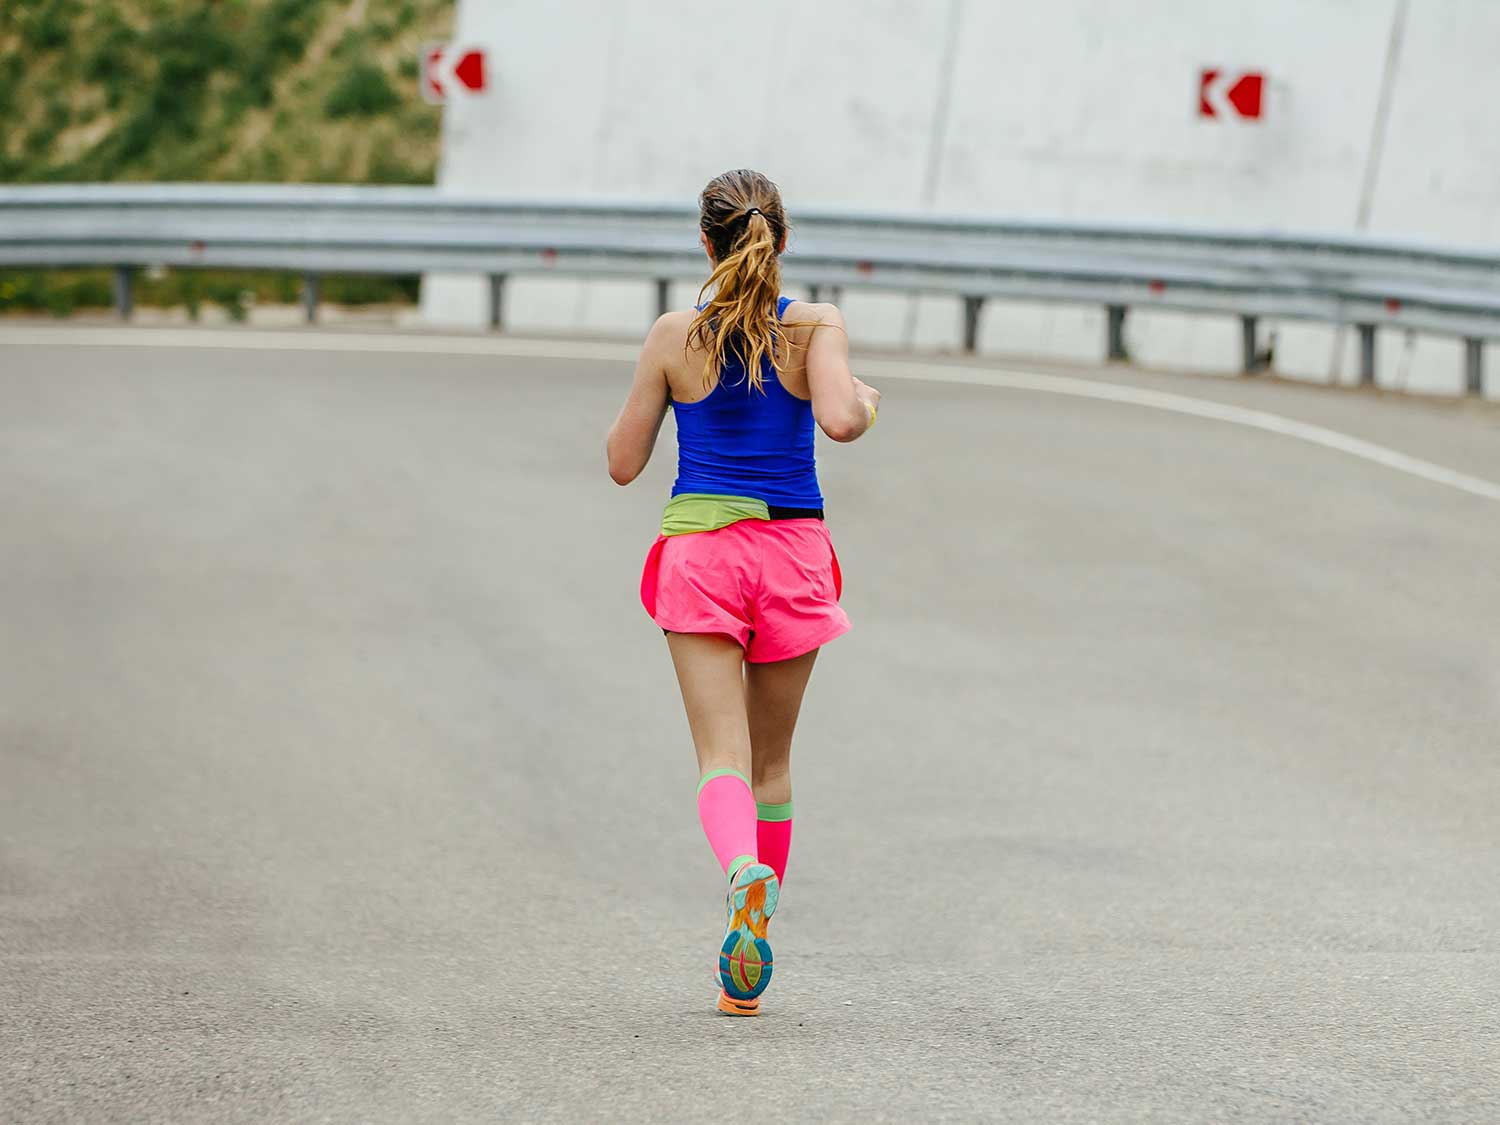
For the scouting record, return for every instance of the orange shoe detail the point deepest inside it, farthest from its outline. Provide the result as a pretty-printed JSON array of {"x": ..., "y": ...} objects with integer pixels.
[
  {"x": 732, "y": 1007},
  {"x": 753, "y": 914}
]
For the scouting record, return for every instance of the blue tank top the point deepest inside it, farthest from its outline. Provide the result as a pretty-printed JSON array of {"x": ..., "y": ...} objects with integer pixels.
[{"x": 739, "y": 442}]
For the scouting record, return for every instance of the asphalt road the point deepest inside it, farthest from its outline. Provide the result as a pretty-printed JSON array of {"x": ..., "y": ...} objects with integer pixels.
[{"x": 342, "y": 776}]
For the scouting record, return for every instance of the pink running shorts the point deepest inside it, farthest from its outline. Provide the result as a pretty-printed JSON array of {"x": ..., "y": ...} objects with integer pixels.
[{"x": 771, "y": 585}]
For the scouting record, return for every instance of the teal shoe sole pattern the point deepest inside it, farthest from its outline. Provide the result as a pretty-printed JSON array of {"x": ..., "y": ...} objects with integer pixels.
[{"x": 745, "y": 960}]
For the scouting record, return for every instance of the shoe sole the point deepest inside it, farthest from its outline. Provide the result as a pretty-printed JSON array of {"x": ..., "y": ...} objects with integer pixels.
[
  {"x": 745, "y": 960},
  {"x": 732, "y": 1007}
]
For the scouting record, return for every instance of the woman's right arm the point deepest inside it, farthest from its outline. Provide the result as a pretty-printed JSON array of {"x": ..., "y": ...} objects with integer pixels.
[
  {"x": 633, "y": 436},
  {"x": 838, "y": 398}
]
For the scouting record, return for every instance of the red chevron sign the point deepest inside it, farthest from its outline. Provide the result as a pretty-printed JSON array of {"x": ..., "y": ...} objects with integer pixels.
[
  {"x": 1230, "y": 94},
  {"x": 448, "y": 70}
]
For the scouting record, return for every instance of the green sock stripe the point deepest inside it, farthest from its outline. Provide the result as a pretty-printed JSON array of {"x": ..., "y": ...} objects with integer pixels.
[
  {"x": 766, "y": 811},
  {"x": 738, "y": 862},
  {"x": 711, "y": 774}
]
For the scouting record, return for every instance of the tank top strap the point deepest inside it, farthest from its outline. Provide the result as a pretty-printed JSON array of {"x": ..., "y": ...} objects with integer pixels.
[{"x": 781, "y": 304}]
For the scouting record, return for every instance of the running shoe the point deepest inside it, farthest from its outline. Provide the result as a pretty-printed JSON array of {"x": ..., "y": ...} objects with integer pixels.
[{"x": 745, "y": 955}]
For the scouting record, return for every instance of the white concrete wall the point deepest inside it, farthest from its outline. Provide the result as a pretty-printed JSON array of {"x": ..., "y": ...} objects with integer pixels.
[{"x": 1072, "y": 109}]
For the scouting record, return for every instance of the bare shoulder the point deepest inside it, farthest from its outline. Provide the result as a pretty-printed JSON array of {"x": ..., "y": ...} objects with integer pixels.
[
  {"x": 804, "y": 318},
  {"x": 813, "y": 312},
  {"x": 670, "y": 331}
]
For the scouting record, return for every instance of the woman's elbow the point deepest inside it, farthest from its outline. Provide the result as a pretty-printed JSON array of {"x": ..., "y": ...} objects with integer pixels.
[
  {"x": 842, "y": 429},
  {"x": 619, "y": 471},
  {"x": 622, "y": 470}
]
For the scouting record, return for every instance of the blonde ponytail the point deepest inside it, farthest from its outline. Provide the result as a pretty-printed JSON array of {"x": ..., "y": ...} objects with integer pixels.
[{"x": 744, "y": 223}]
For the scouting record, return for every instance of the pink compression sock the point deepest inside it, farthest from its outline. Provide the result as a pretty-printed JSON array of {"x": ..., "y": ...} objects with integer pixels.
[
  {"x": 773, "y": 836},
  {"x": 726, "y": 807}
]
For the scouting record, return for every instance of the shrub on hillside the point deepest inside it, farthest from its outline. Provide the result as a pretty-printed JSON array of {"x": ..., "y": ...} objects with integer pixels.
[
  {"x": 111, "y": 57},
  {"x": 361, "y": 91},
  {"x": 46, "y": 24}
]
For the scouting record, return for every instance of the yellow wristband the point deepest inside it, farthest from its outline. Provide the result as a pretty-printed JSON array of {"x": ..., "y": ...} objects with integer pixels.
[{"x": 870, "y": 406}]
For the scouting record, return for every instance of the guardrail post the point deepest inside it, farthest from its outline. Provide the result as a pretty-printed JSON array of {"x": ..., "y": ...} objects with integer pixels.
[
  {"x": 815, "y": 293},
  {"x": 1474, "y": 366},
  {"x": 310, "y": 287},
  {"x": 663, "y": 296},
  {"x": 124, "y": 294},
  {"x": 497, "y": 301},
  {"x": 1115, "y": 342},
  {"x": 1366, "y": 355},
  {"x": 972, "y": 305},
  {"x": 1248, "y": 359}
]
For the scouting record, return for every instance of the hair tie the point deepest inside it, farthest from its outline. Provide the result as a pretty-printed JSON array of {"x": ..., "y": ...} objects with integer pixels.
[{"x": 753, "y": 211}]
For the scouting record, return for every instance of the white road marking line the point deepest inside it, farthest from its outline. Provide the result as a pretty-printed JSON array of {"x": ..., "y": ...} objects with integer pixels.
[
  {"x": 409, "y": 343},
  {"x": 419, "y": 343},
  {"x": 1196, "y": 407}
]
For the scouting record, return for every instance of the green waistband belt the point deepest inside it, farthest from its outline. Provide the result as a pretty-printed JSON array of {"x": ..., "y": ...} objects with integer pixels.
[
  {"x": 704, "y": 511},
  {"x": 701, "y": 511}
]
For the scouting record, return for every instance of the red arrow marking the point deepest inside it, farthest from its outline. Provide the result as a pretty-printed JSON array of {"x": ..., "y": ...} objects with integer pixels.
[
  {"x": 470, "y": 70},
  {"x": 1245, "y": 94},
  {"x": 434, "y": 87},
  {"x": 1205, "y": 80}
]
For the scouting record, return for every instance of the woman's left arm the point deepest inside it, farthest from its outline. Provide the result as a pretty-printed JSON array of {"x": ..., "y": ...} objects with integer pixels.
[{"x": 633, "y": 436}]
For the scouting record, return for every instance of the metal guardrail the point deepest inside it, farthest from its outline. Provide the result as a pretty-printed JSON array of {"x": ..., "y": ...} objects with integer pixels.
[{"x": 318, "y": 229}]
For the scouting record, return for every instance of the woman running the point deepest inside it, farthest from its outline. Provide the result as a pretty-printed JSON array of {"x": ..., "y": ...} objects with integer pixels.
[{"x": 743, "y": 579}]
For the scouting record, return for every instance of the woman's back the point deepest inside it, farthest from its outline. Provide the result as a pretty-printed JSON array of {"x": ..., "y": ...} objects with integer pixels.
[
  {"x": 685, "y": 377},
  {"x": 737, "y": 440}
]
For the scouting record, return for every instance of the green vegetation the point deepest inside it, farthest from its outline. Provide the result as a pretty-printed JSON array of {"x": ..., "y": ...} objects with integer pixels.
[
  {"x": 321, "y": 91},
  {"x": 60, "y": 292},
  {"x": 295, "y": 90},
  {"x": 362, "y": 91},
  {"x": 57, "y": 293}
]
